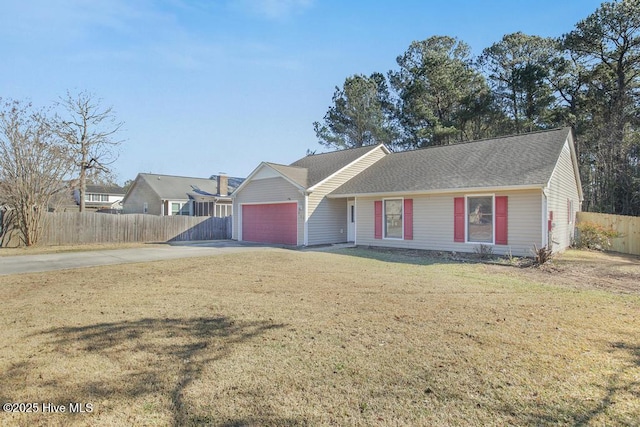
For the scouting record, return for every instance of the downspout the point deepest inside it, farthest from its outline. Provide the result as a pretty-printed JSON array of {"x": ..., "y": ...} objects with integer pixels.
[
  {"x": 355, "y": 221},
  {"x": 306, "y": 219},
  {"x": 545, "y": 215}
]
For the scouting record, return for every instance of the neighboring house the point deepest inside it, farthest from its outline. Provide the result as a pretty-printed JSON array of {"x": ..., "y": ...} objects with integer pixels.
[
  {"x": 101, "y": 197},
  {"x": 510, "y": 193},
  {"x": 179, "y": 195}
]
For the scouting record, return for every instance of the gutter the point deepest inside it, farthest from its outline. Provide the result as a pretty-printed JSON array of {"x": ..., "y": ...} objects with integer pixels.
[{"x": 438, "y": 191}]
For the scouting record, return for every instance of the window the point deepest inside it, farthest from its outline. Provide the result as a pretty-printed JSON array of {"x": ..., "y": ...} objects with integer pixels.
[
  {"x": 353, "y": 214},
  {"x": 393, "y": 219},
  {"x": 96, "y": 197},
  {"x": 223, "y": 210},
  {"x": 203, "y": 209},
  {"x": 480, "y": 219},
  {"x": 180, "y": 208},
  {"x": 175, "y": 208}
]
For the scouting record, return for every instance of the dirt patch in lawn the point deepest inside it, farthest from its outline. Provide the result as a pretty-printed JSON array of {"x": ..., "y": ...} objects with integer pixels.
[
  {"x": 605, "y": 271},
  {"x": 282, "y": 337},
  {"x": 609, "y": 271}
]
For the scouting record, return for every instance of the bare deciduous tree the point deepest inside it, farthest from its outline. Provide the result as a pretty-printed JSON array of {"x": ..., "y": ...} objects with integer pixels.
[
  {"x": 34, "y": 164},
  {"x": 88, "y": 128}
]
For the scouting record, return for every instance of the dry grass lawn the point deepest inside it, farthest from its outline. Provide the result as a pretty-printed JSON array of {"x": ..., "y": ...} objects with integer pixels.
[
  {"x": 37, "y": 250},
  {"x": 308, "y": 338}
]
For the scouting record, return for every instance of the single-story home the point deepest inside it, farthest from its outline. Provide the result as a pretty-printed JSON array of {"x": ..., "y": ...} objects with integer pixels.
[
  {"x": 157, "y": 194},
  {"x": 509, "y": 193}
]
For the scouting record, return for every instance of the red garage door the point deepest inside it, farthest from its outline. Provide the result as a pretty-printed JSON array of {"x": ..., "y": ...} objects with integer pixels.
[{"x": 270, "y": 223}]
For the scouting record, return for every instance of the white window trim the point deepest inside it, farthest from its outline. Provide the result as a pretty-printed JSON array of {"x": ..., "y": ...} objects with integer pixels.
[
  {"x": 182, "y": 205},
  {"x": 571, "y": 211},
  {"x": 171, "y": 203},
  {"x": 384, "y": 218},
  {"x": 493, "y": 219}
]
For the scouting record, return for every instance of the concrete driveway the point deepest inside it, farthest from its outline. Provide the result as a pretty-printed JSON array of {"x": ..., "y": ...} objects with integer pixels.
[{"x": 90, "y": 258}]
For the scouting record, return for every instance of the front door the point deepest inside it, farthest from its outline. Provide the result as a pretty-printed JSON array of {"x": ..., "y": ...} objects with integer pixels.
[{"x": 351, "y": 221}]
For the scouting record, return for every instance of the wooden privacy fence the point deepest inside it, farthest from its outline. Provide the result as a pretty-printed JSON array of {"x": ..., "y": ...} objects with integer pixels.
[
  {"x": 70, "y": 228},
  {"x": 628, "y": 227}
]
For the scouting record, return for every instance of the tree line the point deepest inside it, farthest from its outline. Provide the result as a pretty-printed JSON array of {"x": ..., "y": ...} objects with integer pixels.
[
  {"x": 43, "y": 150},
  {"x": 588, "y": 79}
]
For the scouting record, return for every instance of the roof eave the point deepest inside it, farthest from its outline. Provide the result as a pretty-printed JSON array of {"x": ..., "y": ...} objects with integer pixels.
[
  {"x": 574, "y": 164},
  {"x": 256, "y": 170},
  {"x": 133, "y": 184},
  {"x": 374, "y": 148},
  {"x": 492, "y": 189},
  {"x": 576, "y": 168}
]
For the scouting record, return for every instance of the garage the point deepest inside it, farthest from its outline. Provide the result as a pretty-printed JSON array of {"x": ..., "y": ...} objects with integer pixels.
[{"x": 270, "y": 223}]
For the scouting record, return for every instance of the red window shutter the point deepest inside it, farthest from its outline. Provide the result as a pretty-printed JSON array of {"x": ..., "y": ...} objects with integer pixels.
[
  {"x": 408, "y": 219},
  {"x": 458, "y": 219},
  {"x": 378, "y": 219},
  {"x": 501, "y": 220}
]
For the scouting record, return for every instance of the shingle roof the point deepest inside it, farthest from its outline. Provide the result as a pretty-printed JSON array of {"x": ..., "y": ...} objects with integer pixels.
[
  {"x": 178, "y": 187},
  {"x": 526, "y": 159},
  {"x": 321, "y": 166},
  {"x": 232, "y": 182},
  {"x": 105, "y": 189},
  {"x": 296, "y": 174}
]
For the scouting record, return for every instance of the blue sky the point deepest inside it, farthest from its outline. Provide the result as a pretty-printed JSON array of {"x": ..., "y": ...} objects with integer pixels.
[{"x": 221, "y": 85}]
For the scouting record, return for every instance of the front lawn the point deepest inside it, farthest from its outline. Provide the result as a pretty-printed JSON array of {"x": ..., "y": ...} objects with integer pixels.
[{"x": 312, "y": 338}]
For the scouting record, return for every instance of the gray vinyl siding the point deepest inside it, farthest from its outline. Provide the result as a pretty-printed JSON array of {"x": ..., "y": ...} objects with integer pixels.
[
  {"x": 563, "y": 187},
  {"x": 327, "y": 221},
  {"x": 270, "y": 190},
  {"x": 140, "y": 194},
  {"x": 433, "y": 223},
  {"x": 525, "y": 224}
]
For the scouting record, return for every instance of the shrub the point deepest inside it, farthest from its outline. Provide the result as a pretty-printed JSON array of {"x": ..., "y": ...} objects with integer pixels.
[
  {"x": 542, "y": 255},
  {"x": 484, "y": 251},
  {"x": 594, "y": 236}
]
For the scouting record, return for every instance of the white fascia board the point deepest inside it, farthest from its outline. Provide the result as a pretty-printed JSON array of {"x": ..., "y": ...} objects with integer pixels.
[
  {"x": 246, "y": 181},
  {"x": 439, "y": 191},
  {"x": 256, "y": 170},
  {"x": 576, "y": 168}
]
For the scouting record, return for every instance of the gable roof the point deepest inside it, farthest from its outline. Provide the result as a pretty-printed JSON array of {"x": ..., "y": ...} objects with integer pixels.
[
  {"x": 314, "y": 168},
  {"x": 171, "y": 187},
  {"x": 105, "y": 189},
  {"x": 321, "y": 166},
  {"x": 297, "y": 175},
  {"x": 518, "y": 160}
]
